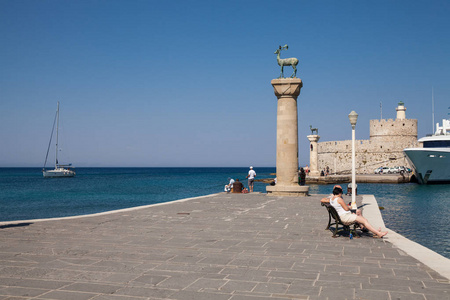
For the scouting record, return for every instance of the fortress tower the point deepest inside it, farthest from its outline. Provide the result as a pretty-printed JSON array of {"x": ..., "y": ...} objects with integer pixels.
[
  {"x": 400, "y": 130},
  {"x": 385, "y": 147}
]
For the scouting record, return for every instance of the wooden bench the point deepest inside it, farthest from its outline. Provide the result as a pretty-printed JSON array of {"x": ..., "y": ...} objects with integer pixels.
[{"x": 332, "y": 213}]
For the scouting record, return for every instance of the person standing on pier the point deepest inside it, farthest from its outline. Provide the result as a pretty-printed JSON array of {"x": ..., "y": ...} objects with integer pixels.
[
  {"x": 302, "y": 176},
  {"x": 251, "y": 178}
]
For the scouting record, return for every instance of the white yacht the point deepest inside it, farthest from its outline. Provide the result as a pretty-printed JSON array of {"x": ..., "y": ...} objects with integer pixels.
[
  {"x": 59, "y": 170},
  {"x": 431, "y": 163}
]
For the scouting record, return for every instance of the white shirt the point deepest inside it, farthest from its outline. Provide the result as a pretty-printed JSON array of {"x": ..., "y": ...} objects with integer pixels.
[
  {"x": 231, "y": 183},
  {"x": 251, "y": 174},
  {"x": 339, "y": 209}
]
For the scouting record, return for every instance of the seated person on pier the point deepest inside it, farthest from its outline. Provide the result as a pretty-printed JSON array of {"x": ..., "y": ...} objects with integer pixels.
[
  {"x": 358, "y": 211},
  {"x": 345, "y": 214},
  {"x": 274, "y": 182},
  {"x": 229, "y": 186},
  {"x": 237, "y": 186}
]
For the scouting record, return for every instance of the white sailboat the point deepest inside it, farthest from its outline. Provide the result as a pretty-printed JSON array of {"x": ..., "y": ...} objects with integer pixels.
[{"x": 60, "y": 170}]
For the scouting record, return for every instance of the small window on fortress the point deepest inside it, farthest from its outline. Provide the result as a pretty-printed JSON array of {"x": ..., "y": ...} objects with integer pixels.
[
  {"x": 381, "y": 147},
  {"x": 403, "y": 124},
  {"x": 392, "y": 125}
]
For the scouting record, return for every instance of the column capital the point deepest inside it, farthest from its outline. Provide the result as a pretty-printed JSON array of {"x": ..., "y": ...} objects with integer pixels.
[
  {"x": 313, "y": 138},
  {"x": 287, "y": 87}
]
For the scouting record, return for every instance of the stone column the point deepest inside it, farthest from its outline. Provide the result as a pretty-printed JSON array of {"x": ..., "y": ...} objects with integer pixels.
[
  {"x": 287, "y": 91},
  {"x": 313, "y": 161}
]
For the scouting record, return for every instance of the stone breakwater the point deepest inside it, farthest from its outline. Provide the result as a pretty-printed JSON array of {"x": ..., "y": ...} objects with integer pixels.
[
  {"x": 223, "y": 246},
  {"x": 360, "y": 178}
]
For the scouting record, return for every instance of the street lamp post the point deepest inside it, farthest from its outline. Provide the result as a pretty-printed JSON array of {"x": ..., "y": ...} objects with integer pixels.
[{"x": 353, "y": 117}]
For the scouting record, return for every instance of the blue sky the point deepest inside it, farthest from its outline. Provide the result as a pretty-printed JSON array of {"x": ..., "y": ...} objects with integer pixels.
[{"x": 187, "y": 83}]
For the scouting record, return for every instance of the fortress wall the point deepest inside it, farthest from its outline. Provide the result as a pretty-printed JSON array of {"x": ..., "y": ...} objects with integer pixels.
[
  {"x": 337, "y": 155},
  {"x": 388, "y": 138}
]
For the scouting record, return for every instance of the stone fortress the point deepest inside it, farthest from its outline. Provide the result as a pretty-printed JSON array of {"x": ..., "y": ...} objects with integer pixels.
[{"x": 385, "y": 147}]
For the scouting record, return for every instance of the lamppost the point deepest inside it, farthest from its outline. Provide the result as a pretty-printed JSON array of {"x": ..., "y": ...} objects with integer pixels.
[{"x": 353, "y": 117}]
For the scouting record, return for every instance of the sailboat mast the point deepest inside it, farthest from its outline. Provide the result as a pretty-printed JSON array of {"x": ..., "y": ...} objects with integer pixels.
[{"x": 57, "y": 129}]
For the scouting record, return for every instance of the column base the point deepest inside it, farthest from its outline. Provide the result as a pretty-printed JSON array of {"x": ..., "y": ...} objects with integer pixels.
[{"x": 290, "y": 190}]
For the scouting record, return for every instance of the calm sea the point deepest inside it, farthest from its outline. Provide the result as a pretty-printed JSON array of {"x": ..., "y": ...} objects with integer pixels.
[{"x": 420, "y": 213}]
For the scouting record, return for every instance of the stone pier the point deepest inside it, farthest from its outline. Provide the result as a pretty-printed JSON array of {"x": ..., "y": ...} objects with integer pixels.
[
  {"x": 313, "y": 162},
  {"x": 287, "y": 90},
  {"x": 220, "y": 247}
]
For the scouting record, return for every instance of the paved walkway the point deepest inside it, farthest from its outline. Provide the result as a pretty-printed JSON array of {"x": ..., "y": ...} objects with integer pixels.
[{"x": 237, "y": 247}]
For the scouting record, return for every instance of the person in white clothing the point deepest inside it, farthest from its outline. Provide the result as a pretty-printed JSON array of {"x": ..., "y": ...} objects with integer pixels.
[
  {"x": 229, "y": 186},
  {"x": 251, "y": 177},
  {"x": 346, "y": 215},
  {"x": 358, "y": 211}
]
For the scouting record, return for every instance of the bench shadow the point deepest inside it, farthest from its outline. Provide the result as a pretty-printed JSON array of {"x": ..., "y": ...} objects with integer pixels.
[
  {"x": 346, "y": 233},
  {"x": 14, "y": 225}
]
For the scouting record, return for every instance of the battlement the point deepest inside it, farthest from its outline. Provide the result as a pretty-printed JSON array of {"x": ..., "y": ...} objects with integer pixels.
[
  {"x": 393, "y": 128},
  {"x": 382, "y": 121}
]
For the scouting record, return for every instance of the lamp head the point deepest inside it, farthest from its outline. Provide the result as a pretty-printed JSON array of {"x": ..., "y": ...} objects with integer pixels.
[{"x": 353, "y": 117}]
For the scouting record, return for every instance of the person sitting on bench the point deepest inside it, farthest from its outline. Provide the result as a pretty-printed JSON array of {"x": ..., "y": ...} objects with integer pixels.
[
  {"x": 358, "y": 211},
  {"x": 345, "y": 214}
]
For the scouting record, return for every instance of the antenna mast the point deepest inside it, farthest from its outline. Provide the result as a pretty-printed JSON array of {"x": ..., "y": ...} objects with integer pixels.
[
  {"x": 432, "y": 107},
  {"x": 381, "y": 110}
]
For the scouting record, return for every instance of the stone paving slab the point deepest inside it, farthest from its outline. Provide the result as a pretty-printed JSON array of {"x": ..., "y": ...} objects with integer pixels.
[{"x": 223, "y": 246}]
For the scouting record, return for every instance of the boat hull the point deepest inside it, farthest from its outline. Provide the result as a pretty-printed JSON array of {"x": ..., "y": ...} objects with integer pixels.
[
  {"x": 58, "y": 173},
  {"x": 431, "y": 165}
]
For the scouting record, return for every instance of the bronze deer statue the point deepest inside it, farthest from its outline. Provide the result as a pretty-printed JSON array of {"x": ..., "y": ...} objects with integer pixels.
[{"x": 286, "y": 61}]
